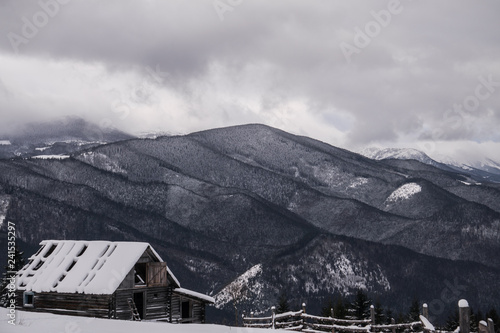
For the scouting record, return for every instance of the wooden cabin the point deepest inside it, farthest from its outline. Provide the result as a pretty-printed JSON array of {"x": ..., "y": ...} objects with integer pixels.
[{"x": 119, "y": 280}]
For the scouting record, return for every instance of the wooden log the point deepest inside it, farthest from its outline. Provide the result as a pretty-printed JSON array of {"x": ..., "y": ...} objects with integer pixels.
[
  {"x": 428, "y": 327},
  {"x": 464, "y": 316}
]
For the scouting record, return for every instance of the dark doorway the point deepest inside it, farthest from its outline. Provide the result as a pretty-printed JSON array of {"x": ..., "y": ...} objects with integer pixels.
[
  {"x": 186, "y": 313},
  {"x": 139, "y": 303}
]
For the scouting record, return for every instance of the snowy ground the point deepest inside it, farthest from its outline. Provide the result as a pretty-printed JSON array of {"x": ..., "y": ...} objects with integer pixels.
[{"x": 49, "y": 323}]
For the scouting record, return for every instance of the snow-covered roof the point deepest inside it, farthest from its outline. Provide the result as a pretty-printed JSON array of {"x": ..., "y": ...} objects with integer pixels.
[
  {"x": 90, "y": 267},
  {"x": 194, "y": 294}
]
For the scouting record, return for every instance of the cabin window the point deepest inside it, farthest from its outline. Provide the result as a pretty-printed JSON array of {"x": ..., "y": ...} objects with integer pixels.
[
  {"x": 156, "y": 274},
  {"x": 140, "y": 274},
  {"x": 28, "y": 299}
]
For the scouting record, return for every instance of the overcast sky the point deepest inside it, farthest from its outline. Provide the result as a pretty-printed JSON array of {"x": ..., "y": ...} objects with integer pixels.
[{"x": 422, "y": 74}]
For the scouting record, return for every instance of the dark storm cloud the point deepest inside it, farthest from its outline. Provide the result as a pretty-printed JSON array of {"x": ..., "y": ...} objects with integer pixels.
[{"x": 425, "y": 58}]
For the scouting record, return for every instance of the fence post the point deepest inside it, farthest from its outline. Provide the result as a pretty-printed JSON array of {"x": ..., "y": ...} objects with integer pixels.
[
  {"x": 491, "y": 325},
  {"x": 251, "y": 314},
  {"x": 372, "y": 314},
  {"x": 303, "y": 308},
  {"x": 273, "y": 309},
  {"x": 331, "y": 313},
  {"x": 464, "y": 319},
  {"x": 393, "y": 322},
  {"x": 425, "y": 310}
]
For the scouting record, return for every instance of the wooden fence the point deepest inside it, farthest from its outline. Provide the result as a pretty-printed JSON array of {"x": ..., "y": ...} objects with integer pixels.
[{"x": 300, "y": 321}]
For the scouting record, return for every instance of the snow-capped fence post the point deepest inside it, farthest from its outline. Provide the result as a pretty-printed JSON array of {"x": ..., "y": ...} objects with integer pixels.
[
  {"x": 393, "y": 322},
  {"x": 425, "y": 310},
  {"x": 251, "y": 314},
  {"x": 372, "y": 314},
  {"x": 483, "y": 327},
  {"x": 331, "y": 313},
  {"x": 304, "y": 308},
  {"x": 273, "y": 319},
  {"x": 491, "y": 326},
  {"x": 464, "y": 319}
]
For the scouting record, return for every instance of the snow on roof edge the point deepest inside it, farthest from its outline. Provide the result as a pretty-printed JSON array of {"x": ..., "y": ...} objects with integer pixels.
[{"x": 195, "y": 294}]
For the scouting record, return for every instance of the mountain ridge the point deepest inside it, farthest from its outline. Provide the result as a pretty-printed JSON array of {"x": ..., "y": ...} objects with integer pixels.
[{"x": 216, "y": 203}]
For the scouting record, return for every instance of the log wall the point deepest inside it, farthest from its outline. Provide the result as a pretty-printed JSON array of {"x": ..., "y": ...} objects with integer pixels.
[{"x": 71, "y": 304}]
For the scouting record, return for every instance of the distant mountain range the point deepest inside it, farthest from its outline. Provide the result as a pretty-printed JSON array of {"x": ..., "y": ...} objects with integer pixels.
[
  {"x": 485, "y": 169},
  {"x": 61, "y": 137},
  {"x": 275, "y": 212}
]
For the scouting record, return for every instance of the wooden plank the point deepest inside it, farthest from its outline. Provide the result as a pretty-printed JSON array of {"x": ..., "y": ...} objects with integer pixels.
[{"x": 156, "y": 274}]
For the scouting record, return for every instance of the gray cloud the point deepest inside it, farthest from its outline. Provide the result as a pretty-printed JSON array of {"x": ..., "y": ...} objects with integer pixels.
[{"x": 264, "y": 62}]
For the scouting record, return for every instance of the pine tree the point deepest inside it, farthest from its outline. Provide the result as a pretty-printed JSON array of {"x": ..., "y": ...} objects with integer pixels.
[
  {"x": 414, "y": 312},
  {"x": 388, "y": 316},
  {"x": 19, "y": 263},
  {"x": 474, "y": 322},
  {"x": 453, "y": 321},
  {"x": 361, "y": 306},
  {"x": 326, "y": 310},
  {"x": 283, "y": 304},
  {"x": 493, "y": 315},
  {"x": 379, "y": 313},
  {"x": 340, "y": 310}
]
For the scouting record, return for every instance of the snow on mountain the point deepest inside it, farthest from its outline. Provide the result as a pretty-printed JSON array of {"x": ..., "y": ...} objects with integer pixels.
[
  {"x": 5, "y": 143},
  {"x": 484, "y": 167},
  {"x": 245, "y": 287},
  {"x": 103, "y": 161},
  {"x": 485, "y": 164},
  {"x": 4, "y": 204},
  {"x": 397, "y": 153},
  {"x": 46, "y": 157},
  {"x": 404, "y": 192}
]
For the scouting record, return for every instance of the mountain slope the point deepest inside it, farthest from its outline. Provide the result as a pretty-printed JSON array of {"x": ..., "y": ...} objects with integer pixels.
[{"x": 217, "y": 203}]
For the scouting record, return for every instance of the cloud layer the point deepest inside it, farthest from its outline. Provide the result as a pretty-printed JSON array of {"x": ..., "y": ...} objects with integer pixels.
[{"x": 352, "y": 74}]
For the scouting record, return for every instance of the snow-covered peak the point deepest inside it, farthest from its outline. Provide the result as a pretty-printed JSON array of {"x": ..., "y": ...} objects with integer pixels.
[
  {"x": 396, "y": 153},
  {"x": 485, "y": 163},
  {"x": 404, "y": 192}
]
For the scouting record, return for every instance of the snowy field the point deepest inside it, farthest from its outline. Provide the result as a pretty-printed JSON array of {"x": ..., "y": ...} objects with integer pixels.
[{"x": 34, "y": 322}]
